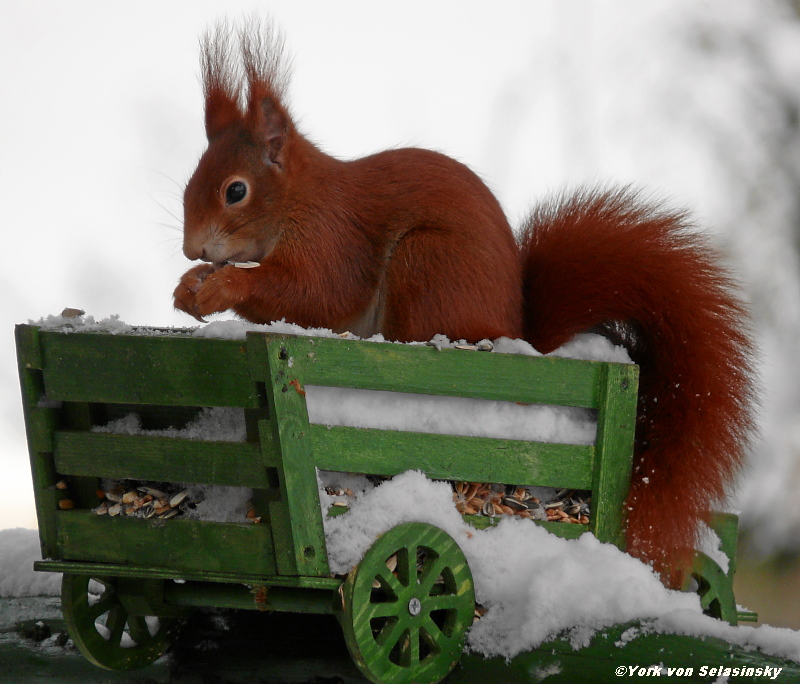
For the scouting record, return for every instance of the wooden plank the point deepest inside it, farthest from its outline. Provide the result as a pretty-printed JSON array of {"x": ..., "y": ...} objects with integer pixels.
[
  {"x": 164, "y": 459},
  {"x": 474, "y": 459},
  {"x": 40, "y": 423},
  {"x": 136, "y": 571},
  {"x": 136, "y": 369},
  {"x": 448, "y": 372},
  {"x": 616, "y": 425},
  {"x": 296, "y": 518},
  {"x": 179, "y": 545}
]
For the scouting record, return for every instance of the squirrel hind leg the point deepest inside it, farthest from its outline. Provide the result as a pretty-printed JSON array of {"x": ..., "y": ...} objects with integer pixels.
[{"x": 433, "y": 286}]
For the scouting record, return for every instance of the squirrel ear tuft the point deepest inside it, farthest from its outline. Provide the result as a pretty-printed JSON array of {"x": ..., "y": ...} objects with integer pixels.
[{"x": 221, "y": 82}]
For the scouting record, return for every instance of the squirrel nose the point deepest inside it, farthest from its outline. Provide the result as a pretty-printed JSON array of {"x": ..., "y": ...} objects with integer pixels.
[
  {"x": 193, "y": 249},
  {"x": 192, "y": 253}
]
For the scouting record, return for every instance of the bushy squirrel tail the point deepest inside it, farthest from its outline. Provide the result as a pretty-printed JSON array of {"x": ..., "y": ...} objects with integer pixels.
[{"x": 609, "y": 260}]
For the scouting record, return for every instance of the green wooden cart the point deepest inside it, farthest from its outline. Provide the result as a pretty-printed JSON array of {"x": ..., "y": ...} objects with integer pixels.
[{"x": 126, "y": 581}]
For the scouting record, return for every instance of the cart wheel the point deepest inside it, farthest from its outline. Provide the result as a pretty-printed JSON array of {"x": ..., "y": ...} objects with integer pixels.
[
  {"x": 714, "y": 588},
  {"x": 103, "y": 629},
  {"x": 407, "y": 605}
]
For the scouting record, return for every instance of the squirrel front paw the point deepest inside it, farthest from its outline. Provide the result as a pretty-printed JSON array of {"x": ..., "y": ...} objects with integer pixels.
[
  {"x": 185, "y": 295},
  {"x": 208, "y": 289}
]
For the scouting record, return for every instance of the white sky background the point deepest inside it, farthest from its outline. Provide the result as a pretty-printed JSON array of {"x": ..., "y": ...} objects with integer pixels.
[{"x": 101, "y": 125}]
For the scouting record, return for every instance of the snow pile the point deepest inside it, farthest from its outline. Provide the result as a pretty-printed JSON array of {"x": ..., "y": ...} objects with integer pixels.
[
  {"x": 220, "y": 424},
  {"x": 534, "y": 585},
  {"x": 589, "y": 347},
  {"x": 79, "y": 322},
  {"x": 19, "y": 548},
  {"x": 449, "y": 415},
  {"x": 219, "y": 504}
]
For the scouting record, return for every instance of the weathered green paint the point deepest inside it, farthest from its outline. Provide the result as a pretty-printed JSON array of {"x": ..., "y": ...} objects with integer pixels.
[
  {"x": 616, "y": 423},
  {"x": 263, "y": 597},
  {"x": 597, "y": 662},
  {"x": 40, "y": 423},
  {"x": 472, "y": 459},
  {"x": 139, "y": 572},
  {"x": 179, "y": 544},
  {"x": 448, "y": 372},
  {"x": 296, "y": 517},
  {"x": 140, "y": 457},
  {"x": 173, "y": 369}
]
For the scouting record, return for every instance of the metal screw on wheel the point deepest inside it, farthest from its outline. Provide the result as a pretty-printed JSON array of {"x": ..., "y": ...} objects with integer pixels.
[
  {"x": 407, "y": 606},
  {"x": 104, "y": 630}
]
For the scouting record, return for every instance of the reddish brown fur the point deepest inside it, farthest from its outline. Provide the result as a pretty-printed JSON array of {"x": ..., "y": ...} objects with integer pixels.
[
  {"x": 411, "y": 243},
  {"x": 600, "y": 257}
]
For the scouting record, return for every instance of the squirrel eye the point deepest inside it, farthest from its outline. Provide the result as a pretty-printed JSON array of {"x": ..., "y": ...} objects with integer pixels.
[{"x": 235, "y": 192}]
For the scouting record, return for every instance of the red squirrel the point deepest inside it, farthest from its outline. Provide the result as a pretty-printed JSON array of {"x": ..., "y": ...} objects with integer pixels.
[{"x": 410, "y": 243}]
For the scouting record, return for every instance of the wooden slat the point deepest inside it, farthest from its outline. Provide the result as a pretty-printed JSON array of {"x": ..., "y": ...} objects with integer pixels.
[
  {"x": 474, "y": 459},
  {"x": 39, "y": 425},
  {"x": 448, "y": 372},
  {"x": 178, "y": 545},
  {"x": 616, "y": 424},
  {"x": 168, "y": 370},
  {"x": 164, "y": 459},
  {"x": 296, "y": 518},
  {"x": 136, "y": 571}
]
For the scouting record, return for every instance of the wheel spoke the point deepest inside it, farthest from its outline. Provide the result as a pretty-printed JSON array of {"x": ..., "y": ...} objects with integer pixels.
[
  {"x": 115, "y": 623},
  {"x": 389, "y": 581},
  {"x": 137, "y": 625},
  {"x": 430, "y": 573},
  {"x": 437, "y": 638},
  {"x": 107, "y": 601},
  {"x": 389, "y": 635},
  {"x": 413, "y": 646},
  {"x": 443, "y": 602},
  {"x": 381, "y": 609},
  {"x": 407, "y": 565}
]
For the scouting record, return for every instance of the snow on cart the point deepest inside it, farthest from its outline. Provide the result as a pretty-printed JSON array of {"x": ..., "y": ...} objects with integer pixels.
[{"x": 118, "y": 507}]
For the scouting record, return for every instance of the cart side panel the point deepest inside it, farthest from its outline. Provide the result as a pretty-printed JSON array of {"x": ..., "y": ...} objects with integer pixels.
[{"x": 73, "y": 382}]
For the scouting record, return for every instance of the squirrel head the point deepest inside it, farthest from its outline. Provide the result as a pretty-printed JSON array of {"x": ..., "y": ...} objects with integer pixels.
[{"x": 237, "y": 196}]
